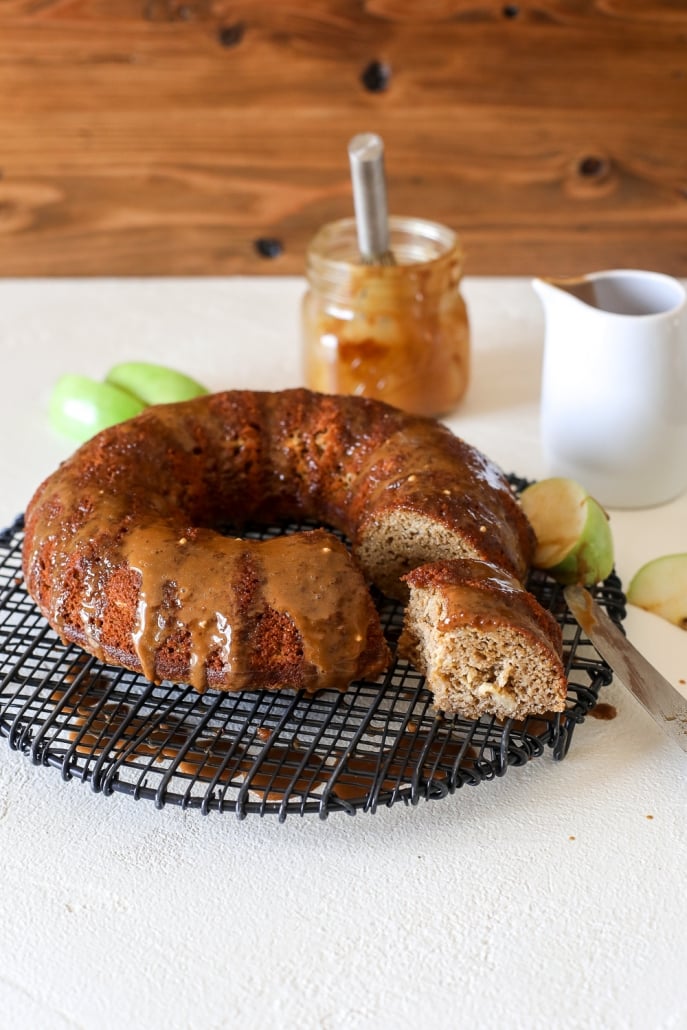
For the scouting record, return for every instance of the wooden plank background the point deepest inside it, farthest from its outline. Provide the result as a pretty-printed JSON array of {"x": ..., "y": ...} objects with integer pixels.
[{"x": 142, "y": 137}]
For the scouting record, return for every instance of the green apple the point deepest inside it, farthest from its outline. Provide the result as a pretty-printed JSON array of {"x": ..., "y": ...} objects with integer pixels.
[
  {"x": 154, "y": 384},
  {"x": 660, "y": 586},
  {"x": 574, "y": 540},
  {"x": 80, "y": 407}
]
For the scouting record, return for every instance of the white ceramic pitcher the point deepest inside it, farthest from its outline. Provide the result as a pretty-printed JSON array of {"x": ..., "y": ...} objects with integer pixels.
[{"x": 614, "y": 385}]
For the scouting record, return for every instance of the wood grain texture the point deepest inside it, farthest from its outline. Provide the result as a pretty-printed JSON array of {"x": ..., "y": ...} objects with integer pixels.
[{"x": 166, "y": 137}]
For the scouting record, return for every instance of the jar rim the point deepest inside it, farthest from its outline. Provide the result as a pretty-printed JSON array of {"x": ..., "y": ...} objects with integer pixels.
[{"x": 441, "y": 236}]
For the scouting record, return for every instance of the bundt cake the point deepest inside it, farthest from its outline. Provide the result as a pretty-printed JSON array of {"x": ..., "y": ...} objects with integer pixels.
[
  {"x": 484, "y": 644},
  {"x": 123, "y": 556}
]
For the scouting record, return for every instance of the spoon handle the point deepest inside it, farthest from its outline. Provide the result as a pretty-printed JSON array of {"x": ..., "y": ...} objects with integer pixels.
[{"x": 366, "y": 156}]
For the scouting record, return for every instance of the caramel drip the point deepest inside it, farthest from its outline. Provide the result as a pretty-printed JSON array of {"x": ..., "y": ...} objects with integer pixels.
[
  {"x": 194, "y": 587},
  {"x": 311, "y": 578},
  {"x": 96, "y": 728},
  {"x": 277, "y": 774},
  {"x": 604, "y": 711},
  {"x": 185, "y": 589},
  {"x": 361, "y": 771}
]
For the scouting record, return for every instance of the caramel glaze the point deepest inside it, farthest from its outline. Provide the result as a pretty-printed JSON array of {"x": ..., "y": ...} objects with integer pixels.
[
  {"x": 482, "y": 595},
  {"x": 122, "y": 555},
  {"x": 222, "y": 603},
  {"x": 217, "y": 589}
]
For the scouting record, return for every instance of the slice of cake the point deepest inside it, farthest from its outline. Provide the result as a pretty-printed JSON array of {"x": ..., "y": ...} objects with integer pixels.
[{"x": 484, "y": 644}]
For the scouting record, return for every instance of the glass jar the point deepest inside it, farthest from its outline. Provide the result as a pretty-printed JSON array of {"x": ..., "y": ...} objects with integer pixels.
[{"x": 398, "y": 332}]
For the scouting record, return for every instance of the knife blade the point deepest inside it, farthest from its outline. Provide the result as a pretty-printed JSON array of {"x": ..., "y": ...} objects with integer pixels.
[{"x": 655, "y": 693}]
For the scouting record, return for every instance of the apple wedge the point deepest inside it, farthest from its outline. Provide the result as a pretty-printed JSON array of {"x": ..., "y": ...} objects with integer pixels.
[
  {"x": 660, "y": 587},
  {"x": 80, "y": 407},
  {"x": 574, "y": 540},
  {"x": 154, "y": 384}
]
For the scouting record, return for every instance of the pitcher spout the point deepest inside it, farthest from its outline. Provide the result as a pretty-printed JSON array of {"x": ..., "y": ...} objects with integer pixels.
[{"x": 553, "y": 292}]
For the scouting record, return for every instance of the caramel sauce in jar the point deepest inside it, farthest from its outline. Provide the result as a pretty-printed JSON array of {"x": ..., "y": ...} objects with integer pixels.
[{"x": 398, "y": 332}]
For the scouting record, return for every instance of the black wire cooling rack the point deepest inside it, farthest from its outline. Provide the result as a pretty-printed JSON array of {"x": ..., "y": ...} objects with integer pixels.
[{"x": 265, "y": 752}]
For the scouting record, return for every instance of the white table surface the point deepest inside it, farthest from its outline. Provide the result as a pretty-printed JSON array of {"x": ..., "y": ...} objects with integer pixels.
[{"x": 554, "y": 897}]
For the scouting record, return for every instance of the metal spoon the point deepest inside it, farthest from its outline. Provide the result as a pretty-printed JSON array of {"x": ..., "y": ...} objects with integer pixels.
[{"x": 366, "y": 157}]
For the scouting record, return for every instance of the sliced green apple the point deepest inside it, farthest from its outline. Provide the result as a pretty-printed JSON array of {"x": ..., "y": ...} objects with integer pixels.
[
  {"x": 154, "y": 384},
  {"x": 80, "y": 407},
  {"x": 574, "y": 540},
  {"x": 660, "y": 586}
]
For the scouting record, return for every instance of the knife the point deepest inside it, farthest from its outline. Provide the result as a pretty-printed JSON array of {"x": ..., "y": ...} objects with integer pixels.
[{"x": 646, "y": 684}]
